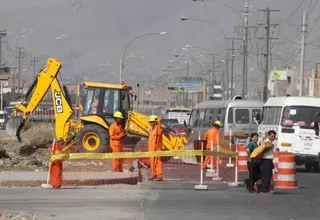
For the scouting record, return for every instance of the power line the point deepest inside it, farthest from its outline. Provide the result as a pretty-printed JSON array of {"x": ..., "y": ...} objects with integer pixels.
[
  {"x": 266, "y": 53},
  {"x": 232, "y": 65}
]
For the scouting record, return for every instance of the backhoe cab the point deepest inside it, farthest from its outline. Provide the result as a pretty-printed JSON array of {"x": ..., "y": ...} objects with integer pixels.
[
  {"x": 89, "y": 133},
  {"x": 99, "y": 103}
]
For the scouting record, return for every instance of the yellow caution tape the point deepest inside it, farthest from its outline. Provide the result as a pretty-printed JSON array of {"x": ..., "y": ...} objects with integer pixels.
[{"x": 126, "y": 155}]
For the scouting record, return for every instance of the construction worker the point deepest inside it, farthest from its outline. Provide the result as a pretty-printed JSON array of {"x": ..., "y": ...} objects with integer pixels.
[
  {"x": 213, "y": 139},
  {"x": 94, "y": 105},
  {"x": 155, "y": 144},
  {"x": 116, "y": 133}
]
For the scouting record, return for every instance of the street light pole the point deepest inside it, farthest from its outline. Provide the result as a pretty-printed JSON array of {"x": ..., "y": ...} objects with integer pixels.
[{"x": 124, "y": 53}]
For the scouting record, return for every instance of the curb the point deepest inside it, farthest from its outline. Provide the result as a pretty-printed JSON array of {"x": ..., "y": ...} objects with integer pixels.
[{"x": 95, "y": 182}]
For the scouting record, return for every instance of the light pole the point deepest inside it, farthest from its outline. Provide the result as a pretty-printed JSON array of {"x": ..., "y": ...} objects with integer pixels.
[
  {"x": 211, "y": 23},
  {"x": 124, "y": 53}
]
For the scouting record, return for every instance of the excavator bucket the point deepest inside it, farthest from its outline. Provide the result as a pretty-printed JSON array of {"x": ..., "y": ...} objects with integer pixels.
[{"x": 14, "y": 126}]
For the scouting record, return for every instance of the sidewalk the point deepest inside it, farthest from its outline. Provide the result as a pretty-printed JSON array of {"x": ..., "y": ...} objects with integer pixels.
[{"x": 69, "y": 178}]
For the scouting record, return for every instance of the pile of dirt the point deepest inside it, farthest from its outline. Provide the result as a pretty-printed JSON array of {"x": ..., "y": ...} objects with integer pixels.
[
  {"x": 18, "y": 216},
  {"x": 30, "y": 155}
]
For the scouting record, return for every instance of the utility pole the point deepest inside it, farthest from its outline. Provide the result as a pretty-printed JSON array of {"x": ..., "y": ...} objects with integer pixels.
[
  {"x": 266, "y": 53},
  {"x": 302, "y": 59},
  {"x": 245, "y": 52},
  {"x": 213, "y": 79},
  {"x": 3, "y": 33},
  {"x": 34, "y": 61},
  {"x": 232, "y": 62},
  {"x": 19, "y": 67}
]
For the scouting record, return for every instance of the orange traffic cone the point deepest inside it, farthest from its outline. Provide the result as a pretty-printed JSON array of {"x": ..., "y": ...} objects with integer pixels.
[{"x": 56, "y": 168}]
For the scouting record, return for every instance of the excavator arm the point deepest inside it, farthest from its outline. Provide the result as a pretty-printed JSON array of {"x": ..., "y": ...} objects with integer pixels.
[
  {"x": 46, "y": 78},
  {"x": 138, "y": 126}
]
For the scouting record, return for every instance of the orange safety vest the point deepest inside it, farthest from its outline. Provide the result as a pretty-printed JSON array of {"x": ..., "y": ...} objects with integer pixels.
[
  {"x": 155, "y": 139},
  {"x": 213, "y": 137},
  {"x": 115, "y": 131}
]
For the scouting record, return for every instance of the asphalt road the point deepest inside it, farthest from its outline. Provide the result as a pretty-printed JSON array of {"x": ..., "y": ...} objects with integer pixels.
[{"x": 166, "y": 201}]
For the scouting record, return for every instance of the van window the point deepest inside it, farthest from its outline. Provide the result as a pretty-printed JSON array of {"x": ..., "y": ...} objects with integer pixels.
[
  {"x": 194, "y": 118},
  {"x": 271, "y": 115},
  {"x": 207, "y": 118},
  {"x": 242, "y": 116},
  {"x": 1, "y": 116},
  {"x": 254, "y": 113},
  {"x": 230, "y": 116},
  {"x": 302, "y": 116},
  {"x": 222, "y": 115},
  {"x": 197, "y": 118}
]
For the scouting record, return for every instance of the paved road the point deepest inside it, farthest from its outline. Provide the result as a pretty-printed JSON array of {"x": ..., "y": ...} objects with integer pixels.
[{"x": 166, "y": 201}]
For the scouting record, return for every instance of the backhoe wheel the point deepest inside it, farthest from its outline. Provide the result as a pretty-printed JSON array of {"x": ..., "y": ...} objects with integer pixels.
[{"x": 93, "y": 139}]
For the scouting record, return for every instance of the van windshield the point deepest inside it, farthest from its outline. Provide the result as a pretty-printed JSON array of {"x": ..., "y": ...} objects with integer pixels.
[
  {"x": 302, "y": 116},
  {"x": 206, "y": 117},
  {"x": 1, "y": 116}
]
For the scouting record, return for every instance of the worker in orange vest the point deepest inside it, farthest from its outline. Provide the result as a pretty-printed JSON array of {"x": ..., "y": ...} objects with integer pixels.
[
  {"x": 116, "y": 133},
  {"x": 155, "y": 144},
  {"x": 213, "y": 139}
]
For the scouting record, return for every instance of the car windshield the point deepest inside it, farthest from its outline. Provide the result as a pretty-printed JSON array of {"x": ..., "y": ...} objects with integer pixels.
[{"x": 302, "y": 116}]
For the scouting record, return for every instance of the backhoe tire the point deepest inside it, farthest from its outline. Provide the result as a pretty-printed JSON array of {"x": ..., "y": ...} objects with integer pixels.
[{"x": 93, "y": 139}]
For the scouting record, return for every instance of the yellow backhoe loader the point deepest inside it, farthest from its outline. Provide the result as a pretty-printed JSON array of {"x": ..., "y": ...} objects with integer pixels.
[{"x": 89, "y": 133}]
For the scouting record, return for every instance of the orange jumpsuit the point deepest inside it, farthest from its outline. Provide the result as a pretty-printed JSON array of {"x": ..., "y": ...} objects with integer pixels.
[
  {"x": 115, "y": 131},
  {"x": 155, "y": 144},
  {"x": 213, "y": 138}
]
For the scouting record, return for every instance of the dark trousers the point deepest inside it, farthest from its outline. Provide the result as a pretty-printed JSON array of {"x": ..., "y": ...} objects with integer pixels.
[
  {"x": 266, "y": 167},
  {"x": 254, "y": 167}
]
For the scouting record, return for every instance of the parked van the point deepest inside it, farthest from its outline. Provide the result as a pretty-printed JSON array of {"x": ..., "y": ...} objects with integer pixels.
[
  {"x": 238, "y": 117},
  {"x": 293, "y": 120}
]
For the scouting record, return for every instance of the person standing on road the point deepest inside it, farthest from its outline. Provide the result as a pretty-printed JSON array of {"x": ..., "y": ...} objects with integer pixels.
[
  {"x": 213, "y": 139},
  {"x": 116, "y": 133},
  {"x": 155, "y": 144},
  {"x": 254, "y": 164},
  {"x": 267, "y": 162}
]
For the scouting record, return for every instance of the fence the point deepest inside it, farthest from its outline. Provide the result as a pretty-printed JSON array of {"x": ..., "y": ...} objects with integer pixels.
[{"x": 181, "y": 166}]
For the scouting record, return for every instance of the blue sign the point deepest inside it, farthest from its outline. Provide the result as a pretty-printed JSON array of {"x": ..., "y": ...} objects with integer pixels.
[{"x": 193, "y": 84}]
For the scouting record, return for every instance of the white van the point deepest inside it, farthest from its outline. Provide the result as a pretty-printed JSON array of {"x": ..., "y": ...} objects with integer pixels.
[
  {"x": 237, "y": 116},
  {"x": 293, "y": 120}
]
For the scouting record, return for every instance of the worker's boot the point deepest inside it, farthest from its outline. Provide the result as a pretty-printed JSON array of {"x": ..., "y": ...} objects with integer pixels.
[
  {"x": 158, "y": 179},
  {"x": 152, "y": 178}
]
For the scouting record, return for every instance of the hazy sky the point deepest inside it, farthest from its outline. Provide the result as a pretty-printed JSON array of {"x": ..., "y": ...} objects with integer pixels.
[{"x": 89, "y": 36}]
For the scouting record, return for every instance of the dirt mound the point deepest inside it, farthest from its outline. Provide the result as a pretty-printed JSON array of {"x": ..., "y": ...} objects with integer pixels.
[{"x": 32, "y": 153}]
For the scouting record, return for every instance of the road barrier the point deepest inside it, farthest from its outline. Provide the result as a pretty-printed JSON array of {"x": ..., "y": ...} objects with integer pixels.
[
  {"x": 85, "y": 168},
  {"x": 242, "y": 158},
  {"x": 286, "y": 171},
  {"x": 95, "y": 168}
]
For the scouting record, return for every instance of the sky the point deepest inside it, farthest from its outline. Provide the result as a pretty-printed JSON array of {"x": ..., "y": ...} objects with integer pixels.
[{"x": 90, "y": 36}]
